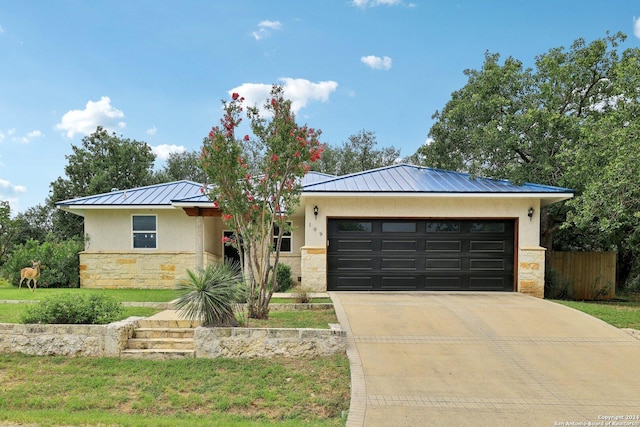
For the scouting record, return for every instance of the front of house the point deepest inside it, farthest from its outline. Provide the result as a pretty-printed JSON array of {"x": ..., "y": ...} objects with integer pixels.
[{"x": 397, "y": 228}]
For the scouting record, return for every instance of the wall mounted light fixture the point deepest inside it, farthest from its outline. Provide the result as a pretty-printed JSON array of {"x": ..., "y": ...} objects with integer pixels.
[
  {"x": 315, "y": 211},
  {"x": 530, "y": 213}
]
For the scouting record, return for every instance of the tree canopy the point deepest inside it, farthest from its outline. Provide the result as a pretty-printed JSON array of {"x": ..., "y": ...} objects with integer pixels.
[
  {"x": 181, "y": 166},
  {"x": 357, "y": 154},
  {"x": 571, "y": 121},
  {"x": 103, "y": 162},
  {"x": 256, "y": 184}
]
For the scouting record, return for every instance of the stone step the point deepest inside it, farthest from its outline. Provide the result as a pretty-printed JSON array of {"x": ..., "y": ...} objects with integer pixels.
[
  {"x": 160, "y": 344},
  {"x": 167, "y": 323},
  {"x": 163, "y": 333},
  {"x": 157, "y": 354}
]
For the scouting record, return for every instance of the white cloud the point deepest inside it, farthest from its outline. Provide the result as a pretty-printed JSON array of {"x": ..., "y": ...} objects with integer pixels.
[
  {"x": 99, "y": 113},
  {"x": 10, "y": 192},
  {"x": 299, "y": 91},
  {"x": 1, "y": 29},
  {"x": 32, "y": 135},
  {"x": 6, "y": 185},
  {"x": 163, "y": 150},
  {"x": 377, "y": 62},
  {"x": 373, "y": 3},
  {"x": 265, "y": 28},
  {"x": 636, "y": 27},
  {"x": 152, "y": 131}
]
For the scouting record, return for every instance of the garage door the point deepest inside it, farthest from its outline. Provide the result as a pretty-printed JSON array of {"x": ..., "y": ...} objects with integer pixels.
[{"x": 420, "y": 255}]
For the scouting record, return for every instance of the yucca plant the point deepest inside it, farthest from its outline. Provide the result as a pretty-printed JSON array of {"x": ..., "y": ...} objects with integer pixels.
[{"x": 208, "y": 295}]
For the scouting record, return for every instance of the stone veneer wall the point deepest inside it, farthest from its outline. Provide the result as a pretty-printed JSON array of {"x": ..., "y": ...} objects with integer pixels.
[
  {"x": 264, "y": 343},
  {"x": 109, "y": 340},
  {"x": 143, "y": 270},
  {"x": 313, "y": 263},
  {"x": 67, "y": 340},
  {"x": 531, "y": 271}
]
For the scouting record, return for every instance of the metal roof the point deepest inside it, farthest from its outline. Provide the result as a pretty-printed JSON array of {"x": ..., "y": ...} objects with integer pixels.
[
  {"x": 152, "y": 195},
  {"x": 165, "y": 194},
  {"x": 400, "y": 178},
  {"x": 404, "y": 178}
]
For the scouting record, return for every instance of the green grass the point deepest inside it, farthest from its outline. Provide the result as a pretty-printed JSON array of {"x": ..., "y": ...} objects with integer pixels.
[
  {"x": 125, "y": 295},
  {"x": 621, "y": 313},
  {"x": 194, "y": 392},
  {"x": 316, "y": 319},
  {"x": 10, "y": 313}
]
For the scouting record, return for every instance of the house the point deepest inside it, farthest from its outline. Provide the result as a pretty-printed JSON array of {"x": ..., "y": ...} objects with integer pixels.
[{"x": 396, "y": 228}]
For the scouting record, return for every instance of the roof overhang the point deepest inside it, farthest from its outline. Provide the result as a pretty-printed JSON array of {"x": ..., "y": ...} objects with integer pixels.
[
  {"x": 545, "y": 198},
  {"x": 80, "y": 209}
]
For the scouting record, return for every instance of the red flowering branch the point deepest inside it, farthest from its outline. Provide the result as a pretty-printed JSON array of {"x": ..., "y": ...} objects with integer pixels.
[{"x": 259, "y": 194}]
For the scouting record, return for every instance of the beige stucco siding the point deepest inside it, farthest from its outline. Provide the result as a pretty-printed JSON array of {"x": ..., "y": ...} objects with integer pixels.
[
  {"x": 421, "y": 207},
  {"x": 110, "y": 229}
]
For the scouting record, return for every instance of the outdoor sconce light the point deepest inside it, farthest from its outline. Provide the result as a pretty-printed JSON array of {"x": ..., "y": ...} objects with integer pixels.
[
  {"x": 530, "y": 213},
  {"x": 315, "y": 211}
]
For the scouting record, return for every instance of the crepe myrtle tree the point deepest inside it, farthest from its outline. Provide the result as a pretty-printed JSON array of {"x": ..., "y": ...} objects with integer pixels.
[{"x": 255, "y": 182}]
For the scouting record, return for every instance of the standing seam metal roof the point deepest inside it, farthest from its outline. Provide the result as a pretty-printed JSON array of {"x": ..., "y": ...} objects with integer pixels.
[
  {"x": 405, "y": 178},
  {"x": 152, "y": 195},
  {"x": 400, "y": 178}
]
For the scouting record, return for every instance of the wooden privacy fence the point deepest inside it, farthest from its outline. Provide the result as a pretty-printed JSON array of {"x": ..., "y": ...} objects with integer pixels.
[{"x": 589, "y": 275}]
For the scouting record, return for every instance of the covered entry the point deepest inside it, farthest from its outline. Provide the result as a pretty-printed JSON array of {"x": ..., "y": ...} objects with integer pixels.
[{"x": 420, "y": 254}]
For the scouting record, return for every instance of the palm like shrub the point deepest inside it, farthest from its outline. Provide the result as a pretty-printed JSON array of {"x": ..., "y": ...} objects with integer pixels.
[{"x": 208, "y": 295}]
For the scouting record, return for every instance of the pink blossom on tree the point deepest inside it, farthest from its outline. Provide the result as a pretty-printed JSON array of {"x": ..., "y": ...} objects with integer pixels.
[{"x": 260, "y": 196}]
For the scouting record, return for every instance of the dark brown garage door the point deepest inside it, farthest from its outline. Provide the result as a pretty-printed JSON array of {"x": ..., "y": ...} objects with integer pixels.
[{"x": 420, "y": 255}]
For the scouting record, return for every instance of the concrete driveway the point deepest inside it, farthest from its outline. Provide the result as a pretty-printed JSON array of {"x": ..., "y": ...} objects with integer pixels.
[{"x": 485, "y": 359}]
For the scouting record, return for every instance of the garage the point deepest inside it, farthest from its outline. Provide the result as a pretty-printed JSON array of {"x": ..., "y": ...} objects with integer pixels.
[{"x": 365, "y": 254}]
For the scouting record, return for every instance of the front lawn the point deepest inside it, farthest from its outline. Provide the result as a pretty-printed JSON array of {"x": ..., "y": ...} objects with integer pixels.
[
  {"x": 621, "y": 313},
  {"x": 10, "y": 313},
  {"x": 194, "y": 392},
  {"x": 124, "y": 295}
]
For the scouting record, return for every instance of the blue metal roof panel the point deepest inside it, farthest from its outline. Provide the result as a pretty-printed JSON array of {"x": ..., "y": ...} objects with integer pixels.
[
  {"x": 153, "y": 195},
  {"x": 417, "y": 179}
]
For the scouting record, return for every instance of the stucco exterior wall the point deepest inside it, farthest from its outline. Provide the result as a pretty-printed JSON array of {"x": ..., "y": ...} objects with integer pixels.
[
  {"x": 111, "y": 229},
  {"x": 109, "y": 260}
]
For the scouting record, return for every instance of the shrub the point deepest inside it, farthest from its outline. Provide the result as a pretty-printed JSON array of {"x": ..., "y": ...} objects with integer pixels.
[
  {"x": 60, "y": 261},
  {"x": 208, "y": 295},
  {"x": 74, "y": 309},
  {"x": 285, "y": 282}
]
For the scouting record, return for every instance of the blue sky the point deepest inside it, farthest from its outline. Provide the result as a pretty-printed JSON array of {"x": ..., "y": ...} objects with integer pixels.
[{"x": 156, "y": 70}]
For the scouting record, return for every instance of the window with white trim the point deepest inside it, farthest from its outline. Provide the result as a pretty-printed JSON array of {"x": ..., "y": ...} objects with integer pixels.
[
  {"x": 285, "y": 245},
  {"x": 145, "y": 231}
]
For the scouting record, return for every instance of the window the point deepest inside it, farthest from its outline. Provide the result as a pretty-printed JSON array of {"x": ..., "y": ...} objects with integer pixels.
[
  {"x": 145, "y": 235},
  {"x": 398, "y": 227},
  {"x": 285, "y": 245},
  {"x": 443, "y": 227},
  {"x": 487, "y": 227},
  {"x": 352, "y": 225}
]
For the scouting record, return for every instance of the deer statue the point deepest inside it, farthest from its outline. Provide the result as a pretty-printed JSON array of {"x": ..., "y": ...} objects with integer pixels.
[{"x": 31, "y": 274}]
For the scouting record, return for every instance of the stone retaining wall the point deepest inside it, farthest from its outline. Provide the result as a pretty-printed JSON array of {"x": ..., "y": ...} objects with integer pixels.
[
  {"x": 67, "y": 340},
  {"x": 109, "y": 340},
  {"x": 265, "y": 343}
]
